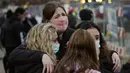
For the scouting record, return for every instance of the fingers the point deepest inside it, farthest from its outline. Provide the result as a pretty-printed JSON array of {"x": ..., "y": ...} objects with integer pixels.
[
  {"x": 87, "y": 71},
  {"x": 48, "y": 68},
  {"x": 47, "y": 64},
  {"x": 91, "y": 71},
  {"x": 44, "y": 68},
  {"x": 117, "y": 66},
  {"x": 51, "y": 68},
  {"x": 116, "y": 62},
  {"x": 116, "y": 69},
  {"x": 113, "y": 59}
]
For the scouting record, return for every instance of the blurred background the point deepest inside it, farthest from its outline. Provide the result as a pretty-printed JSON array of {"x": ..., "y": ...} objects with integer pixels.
[{"x": 112, "y": 16}]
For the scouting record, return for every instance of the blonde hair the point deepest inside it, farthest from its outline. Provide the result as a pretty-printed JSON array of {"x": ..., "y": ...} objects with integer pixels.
[{"x": 40, "y": 38}]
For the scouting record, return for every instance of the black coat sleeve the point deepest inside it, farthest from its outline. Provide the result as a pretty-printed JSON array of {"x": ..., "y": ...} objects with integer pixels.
[
  {"x": 125, "y": 68},
  {"x": 22, "y": 56},
  {"x": 106, "y": 64}
]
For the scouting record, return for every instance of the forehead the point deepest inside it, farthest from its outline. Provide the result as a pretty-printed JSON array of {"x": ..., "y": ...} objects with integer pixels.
[
  {"x": 93, "y": 31},
  {"x": 59, "y": 10}
]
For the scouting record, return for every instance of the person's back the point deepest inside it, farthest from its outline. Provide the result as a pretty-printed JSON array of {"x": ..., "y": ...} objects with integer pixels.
[
  {"x": 2, "y": 19},
  {"x": 72, "y": 19},
  {"x": 12, "y": 29},
  {"x": 25, "y": 64},
  {"x": 29, "y": 23},
  {"x": 11, "y": 33}
]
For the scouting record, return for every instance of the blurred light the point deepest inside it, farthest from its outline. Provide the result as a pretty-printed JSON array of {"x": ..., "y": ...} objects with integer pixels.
[
  {"x": 110, "y": 1},
  {"x": 82, "y": 1},
  {"x": 98, "y": 0},
  {"x": 25, "y": 6},
  {"x": 67, "y": 2},
  {"x": 89, "y": 1},
  {"x": 76, "y": 0}
]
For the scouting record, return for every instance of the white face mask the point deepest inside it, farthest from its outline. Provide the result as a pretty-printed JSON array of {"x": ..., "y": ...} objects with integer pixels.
[
  {"x": 55, "y": 47},
  {"x": 29, "y": 16},
  {"x": 97, "y": 43}
]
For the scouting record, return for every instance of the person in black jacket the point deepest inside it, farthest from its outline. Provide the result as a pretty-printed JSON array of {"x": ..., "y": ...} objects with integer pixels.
[
  {"x": 42, "y": 38},
  {"x": 54, "y": 13},
  {"x": 72, "y": 19},
  {"x": 3, "y": 19},
  {"x": 86, "y": 15},
  {"x": 109, "y": 59},
  {"x": 29, "y": 23},
  {"x": 10, "y": 32},
  {"x": 126, "y": 67}
]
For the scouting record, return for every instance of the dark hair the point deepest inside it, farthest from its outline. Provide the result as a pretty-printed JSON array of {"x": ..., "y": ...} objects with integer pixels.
[
  {"x": 85, "y": 14},
  {"x": 103, "y": 49},
  {"x": 19, "y": 11},
  {"x": 80, "y": 55},
  {"x": 50, "y": 9},
  {"x": 9, "y": 13}
]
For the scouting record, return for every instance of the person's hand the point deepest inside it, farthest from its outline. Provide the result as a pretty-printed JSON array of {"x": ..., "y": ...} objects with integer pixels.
[
  {"x": 116, "y": 62},
  {"x": 47, "y": 64},
  {"x": 91, "y": 71}
]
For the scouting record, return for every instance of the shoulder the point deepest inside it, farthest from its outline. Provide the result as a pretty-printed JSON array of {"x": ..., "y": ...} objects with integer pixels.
[
  {"x": 81, "y": 24},
  {"x": 21, "y": 55},
  {"x": 69, "y": 31},
  {"x": 18, "y": 50},
  {"x": 125, "y": 68},
  {"x": 21, "y": 47},
  {"x": 106, "y": 65}
]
